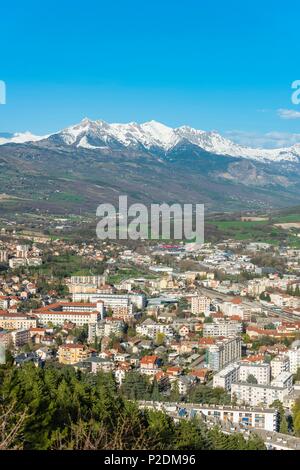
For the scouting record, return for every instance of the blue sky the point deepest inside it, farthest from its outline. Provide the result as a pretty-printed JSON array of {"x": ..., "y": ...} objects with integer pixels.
[{"x": 222, "y": 65}]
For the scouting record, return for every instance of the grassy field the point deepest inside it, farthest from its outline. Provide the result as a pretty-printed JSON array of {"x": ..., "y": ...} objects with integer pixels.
[{"x": 259, "y": 231}]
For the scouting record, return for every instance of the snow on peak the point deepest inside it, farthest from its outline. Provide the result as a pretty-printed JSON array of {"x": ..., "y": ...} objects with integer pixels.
[
  {"x": 153, "y": 135},
  {"x": 20, "y": 138}
]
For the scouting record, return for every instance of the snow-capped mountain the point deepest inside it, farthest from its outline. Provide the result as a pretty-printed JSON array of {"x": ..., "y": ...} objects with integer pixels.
[
  {"x": 19, "y": 138},
  {"x": 95, "y": 161},
  {"x": 154, "y": 135}
]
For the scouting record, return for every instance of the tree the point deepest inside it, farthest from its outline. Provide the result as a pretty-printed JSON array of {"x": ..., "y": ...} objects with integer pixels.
[
  {"x": 136, "y": 386},
  {"x": 283, "y": 422},
  {"x": 265, "y": 296},
  {"x": 296, "y": 417},
  {"x": 160, "y": 339},
  {"x": 251, "y": 379},
  {"x": 155, "y": 393}
]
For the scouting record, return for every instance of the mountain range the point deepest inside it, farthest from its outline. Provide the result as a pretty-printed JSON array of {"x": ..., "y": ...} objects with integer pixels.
[{"x": 93, "y": 161}]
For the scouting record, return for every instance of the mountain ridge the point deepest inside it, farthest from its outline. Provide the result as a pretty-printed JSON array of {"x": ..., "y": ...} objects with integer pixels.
[{"x": 152, "y": 136}]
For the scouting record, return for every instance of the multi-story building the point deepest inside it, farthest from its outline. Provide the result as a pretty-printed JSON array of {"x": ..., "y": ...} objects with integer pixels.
[
  {"x": 222, "y": 328},
  {"x": 149, "y": 365},
  {"x": 15, "y": 338},
  {"x": 75, "y": 312},
  {"x": 72, "y": 353},
  {"x": 15, "y": 321},
  {"x": 260, "y": 372},
  {"x": 151, "y": 328},
  {"x": 120, "y": 304},
  {"x": 3, "y": 256},
  {"x": 294, "y": 357},
  {"x": 279, "y": 364},
  {"x": 225, "y": 377},
  {"x": 105, "y": 327},
  {"x": 98, "y": 280},
  {"x": 200, "y": 304},
  {"x": 223, "y": 352},
  {"x": 247, "y": 417}
]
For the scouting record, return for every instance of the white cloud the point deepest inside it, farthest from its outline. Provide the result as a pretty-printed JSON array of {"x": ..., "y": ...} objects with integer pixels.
[
  {"x": 269, "y": 140},
  {"x": 288, "y": 114}
]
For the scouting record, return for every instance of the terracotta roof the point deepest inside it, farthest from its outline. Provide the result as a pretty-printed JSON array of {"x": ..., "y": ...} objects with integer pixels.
[{"x": 149, "y": 359}]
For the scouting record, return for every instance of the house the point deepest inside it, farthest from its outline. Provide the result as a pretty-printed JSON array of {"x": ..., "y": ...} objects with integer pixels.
[
  {"x": 202, "y": 375},
  {"x": 185, "y": 383},
  {"x": 184, "y": 331},
  {"x": 97, "y": 364},
  {"x": 149, "y": 365}
]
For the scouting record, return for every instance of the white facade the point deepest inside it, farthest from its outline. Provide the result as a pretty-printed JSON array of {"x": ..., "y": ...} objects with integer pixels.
[
  {"x": 224, "y": 352},
  {"x": 222, "y": 328},
  {"x": 294, "y": 357},
  {"x": 258, "y": 395},
  {"x": 226, "y": 376},
  {"x": 279, "y": 364},
  {"x": 151, "y": 328},
  {"x": 261, "y": 372},
  {"x": 200, "y": 304}
]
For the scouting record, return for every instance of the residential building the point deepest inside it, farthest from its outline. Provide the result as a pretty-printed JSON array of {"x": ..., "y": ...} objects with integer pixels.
[
  {"x": 225, "y": 377},
  {"x": 223, "y": 352},
  {"x": 222, "y": 328},
  {"x": 257, "y": 395},
  {"x": 279, "y": 364},
  {"x": 72, "y": 353}
]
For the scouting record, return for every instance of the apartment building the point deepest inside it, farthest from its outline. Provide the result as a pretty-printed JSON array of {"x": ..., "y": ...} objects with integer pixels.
[
  {"x": 149, "y": 365},
  {"x": 279, "y": 364},
  {"x": 105, "y": 327},
  {"x": 294, "y": 357},
  {"x": 15, "y": 338},
  {"x": 257, "y": 395},
  {"x": 120, "y": 304},
  {"x": 222, "y": 328},
  {"x": 223, "y": 352},
  {"x": 75, "y": 312},
  {"x": 98, "y": 280},
  {"x": 225, "y": 377},
  {"x": 72, "y": 353},
  {"x": 151, "y": 328},
  {"x": 260, "y": 372},
  {"x": 15, "y": 321},
  {"x": 200, "y": 304},
  {"x": 247, "y": 417}
]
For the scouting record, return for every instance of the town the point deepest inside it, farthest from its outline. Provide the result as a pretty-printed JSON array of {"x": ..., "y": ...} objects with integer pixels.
[{"x": 211, "y": 330}]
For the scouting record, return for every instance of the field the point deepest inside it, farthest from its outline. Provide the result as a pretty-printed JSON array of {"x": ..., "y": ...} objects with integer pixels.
[{"x": 266, "y": 231}]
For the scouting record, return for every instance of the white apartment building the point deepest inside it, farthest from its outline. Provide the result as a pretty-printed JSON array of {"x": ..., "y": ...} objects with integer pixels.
[
  {"x": 249, "y": 417},
  {"x": 261, "y": 372},
  {"x": 222, "y": 328},
  {"x": 105, "y": 327},
  {"x": 98, "y": 280},
  {"x": 279, "y": 364},
  {"x": 151, "y": 328},
  {"x": 263, "y": 395},
  {"x": 223, "y": 352},
  {"x": 226, "y": 376},
  {"x": 294, "y": 357},
  {"x": 80, "y": 313},
  {"x": 231, "y": 308},
  {"x": 200, "y": 304}
]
